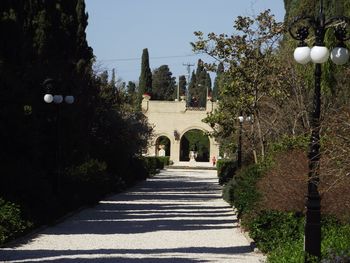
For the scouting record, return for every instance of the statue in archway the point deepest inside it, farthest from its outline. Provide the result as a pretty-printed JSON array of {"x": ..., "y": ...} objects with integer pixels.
[
  {"x": 193, "y": 156},
  {"x": 161, "y": 151}
]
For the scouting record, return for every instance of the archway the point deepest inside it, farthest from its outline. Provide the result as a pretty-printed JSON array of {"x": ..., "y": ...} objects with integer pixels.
[
  {"x": 195, "y": 140},
  {"x": 162, "y": 146}
]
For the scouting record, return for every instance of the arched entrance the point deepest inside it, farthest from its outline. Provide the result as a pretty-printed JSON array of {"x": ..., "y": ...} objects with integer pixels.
[
  {"x": 172, "y": 119},
  {"x": 162, "y": 146},
  {"x": 197, "y": 142}
]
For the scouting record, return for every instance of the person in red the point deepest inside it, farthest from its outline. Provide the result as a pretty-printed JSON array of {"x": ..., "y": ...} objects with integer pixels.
[{"x": 213, "y": 160}]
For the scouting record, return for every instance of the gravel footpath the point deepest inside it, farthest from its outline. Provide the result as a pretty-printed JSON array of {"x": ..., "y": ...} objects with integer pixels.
[{"x": 177, "y": 216}]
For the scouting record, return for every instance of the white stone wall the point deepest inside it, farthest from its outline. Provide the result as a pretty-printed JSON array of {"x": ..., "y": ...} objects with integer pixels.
[{"x": 168, "y": 116}]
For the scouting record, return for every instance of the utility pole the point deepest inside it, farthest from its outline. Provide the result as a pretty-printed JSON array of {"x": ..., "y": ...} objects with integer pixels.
[{"x": 188, "y": 66}]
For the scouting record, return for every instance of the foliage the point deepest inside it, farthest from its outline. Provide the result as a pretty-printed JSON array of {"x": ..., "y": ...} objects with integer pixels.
[
  {"x": 95, "y": 143},
  {"x": 199, "y": 86},
  {"x": 216, "y": 89},
  {"x": 271, "y": 228},
  {"x": 182, "y": 85},
  {"x": 286, "y": 143},
  {"x": 335, "y": 241},
  {"x": 334, "y": 247},
  {"x": 154, "y": 163},
  {"x": 164, "y": 85},
  {"x": 164, "y": 159},
  {"x": 254, "y": 83},
  {"x": 225, "y": 170},
  {"x": 11, "y": 221},
  {"x": 145, "y": 81},
  {"x": 276, "y": 224},
  {"x": 88, "y": 181},
  {"x": 241, "y": 191}
]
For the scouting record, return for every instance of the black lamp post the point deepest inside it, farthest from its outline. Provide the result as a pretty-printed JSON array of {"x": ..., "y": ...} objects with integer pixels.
[
  {"x": 239, "y": 147},
  {"x": 51, "y": 86},
  {"x": 318, "y": 54},
  {"x": 241, "y": 119}
]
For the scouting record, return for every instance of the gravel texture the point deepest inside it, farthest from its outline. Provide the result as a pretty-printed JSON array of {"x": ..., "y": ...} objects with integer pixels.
[{"x": 177, "y": 216}]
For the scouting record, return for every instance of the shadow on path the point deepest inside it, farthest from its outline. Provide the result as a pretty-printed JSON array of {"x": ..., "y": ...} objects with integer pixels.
[{"x": 178, "y": 204}]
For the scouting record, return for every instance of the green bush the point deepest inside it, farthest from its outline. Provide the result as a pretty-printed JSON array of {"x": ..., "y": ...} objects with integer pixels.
[
  {"x": 89, "y": 181},
  {"x": 289, "y": 251},
  {"x": 289, "y": 143},
  {"x": 159, "y": 163},
  {"x": 151, "y": 164},
  {"x": 270, "y": 229},
  {"x": 225, "y": 170},
  {"x": 335, "y": 246},
  {"x": 164, "y": 159},
  {"x": 241, "y": 191},
  {"x": 155, "y": 163},
  {"x": 11, "y": 223},
  {"x": 228, "y": 192},
  {"x": 335, "y": 241},
  {"x": 138, "y": 169}
]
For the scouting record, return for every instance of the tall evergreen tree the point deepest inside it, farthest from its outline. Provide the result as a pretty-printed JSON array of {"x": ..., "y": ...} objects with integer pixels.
[
  {"x": 145, "y": 81},
  {"x": 182, "y": 85},
  {"x": 164, "y": 85},
  {"x": 200, "y": 85},
  {"x": 216, "y": 88},
  {"x": 192, "y": 90}
]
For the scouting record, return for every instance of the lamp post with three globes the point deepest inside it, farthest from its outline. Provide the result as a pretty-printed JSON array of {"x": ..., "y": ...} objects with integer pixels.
[{"x": 318, "y": 54}]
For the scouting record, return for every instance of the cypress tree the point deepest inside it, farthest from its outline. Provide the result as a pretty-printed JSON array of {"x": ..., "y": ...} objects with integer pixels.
[
  {"x": 145, "y": 81},
  {"x": 182, "y": 85},
  {"x": 192, "y": 90},
  {"x": 164, "y": 85},
  {"x": 200, "y": 84},
  {"x": 216, "y": 88}
]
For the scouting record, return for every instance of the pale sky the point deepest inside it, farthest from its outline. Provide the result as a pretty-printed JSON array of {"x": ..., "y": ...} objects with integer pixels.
[{"x": 119, "y": 30}]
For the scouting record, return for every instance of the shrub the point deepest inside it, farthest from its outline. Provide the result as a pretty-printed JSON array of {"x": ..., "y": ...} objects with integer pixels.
[
  {"x": 159, "y": 163},
  {"x": 335, "y": 246},
  {"x": 290, "y": 251},
  {"x": 151, "y": 164},
  {"x": 290, "y": 143},
  {"x": 164, "y": 159},
  {"x": 89, "y": 181},
  {"x": 225, "y": 170},
  {"x": 11, "y": 223},
  {"x": 228, "y": 191},
  {"x": 138, "y": 169},
  {"x": 154, "y": 163},
  {"x": 335, "y": 241},
  {"x": 241, "y": 190},
  {"x": 270, "y": 229}
]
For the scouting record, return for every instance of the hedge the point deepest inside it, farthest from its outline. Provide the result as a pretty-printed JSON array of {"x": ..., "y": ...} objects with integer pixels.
[
  {"x": 225, "y": 170},
  {"x": 11, "y": 222}
]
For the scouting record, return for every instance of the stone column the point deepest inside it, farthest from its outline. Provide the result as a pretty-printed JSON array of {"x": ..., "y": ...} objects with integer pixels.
[{"x": 175, "y": 150}]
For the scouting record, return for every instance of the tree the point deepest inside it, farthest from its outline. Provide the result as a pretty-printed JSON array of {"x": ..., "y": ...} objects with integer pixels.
[
  {"x": 47, "y": 39},
  {"x": 145, "y": 82},
  {"x": 182, "y": 85},
  {"x": 164, "y": 85},
  {"x": 253, "y": 79},
  {"x": 200, "y": 85},
  {"x": 216, "y": 88}
]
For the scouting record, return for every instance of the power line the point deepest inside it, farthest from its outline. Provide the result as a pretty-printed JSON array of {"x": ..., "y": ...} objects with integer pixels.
[
  {"x": 188, "y": 66},
  {"x": 133, "y": 59}
]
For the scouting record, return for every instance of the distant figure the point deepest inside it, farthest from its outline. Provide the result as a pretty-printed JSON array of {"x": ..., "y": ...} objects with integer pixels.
[
  {"x": 161, "y": 153},
  {"x": 213, "y": 160}
]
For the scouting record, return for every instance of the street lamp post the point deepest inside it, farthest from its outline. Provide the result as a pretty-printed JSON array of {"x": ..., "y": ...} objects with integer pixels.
[
  {"x": 241, "y": 119},
  {"x": 239, "y": 147},
  {"x": 318, "y": 54},
  {"x": 51, "y": 87}
]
